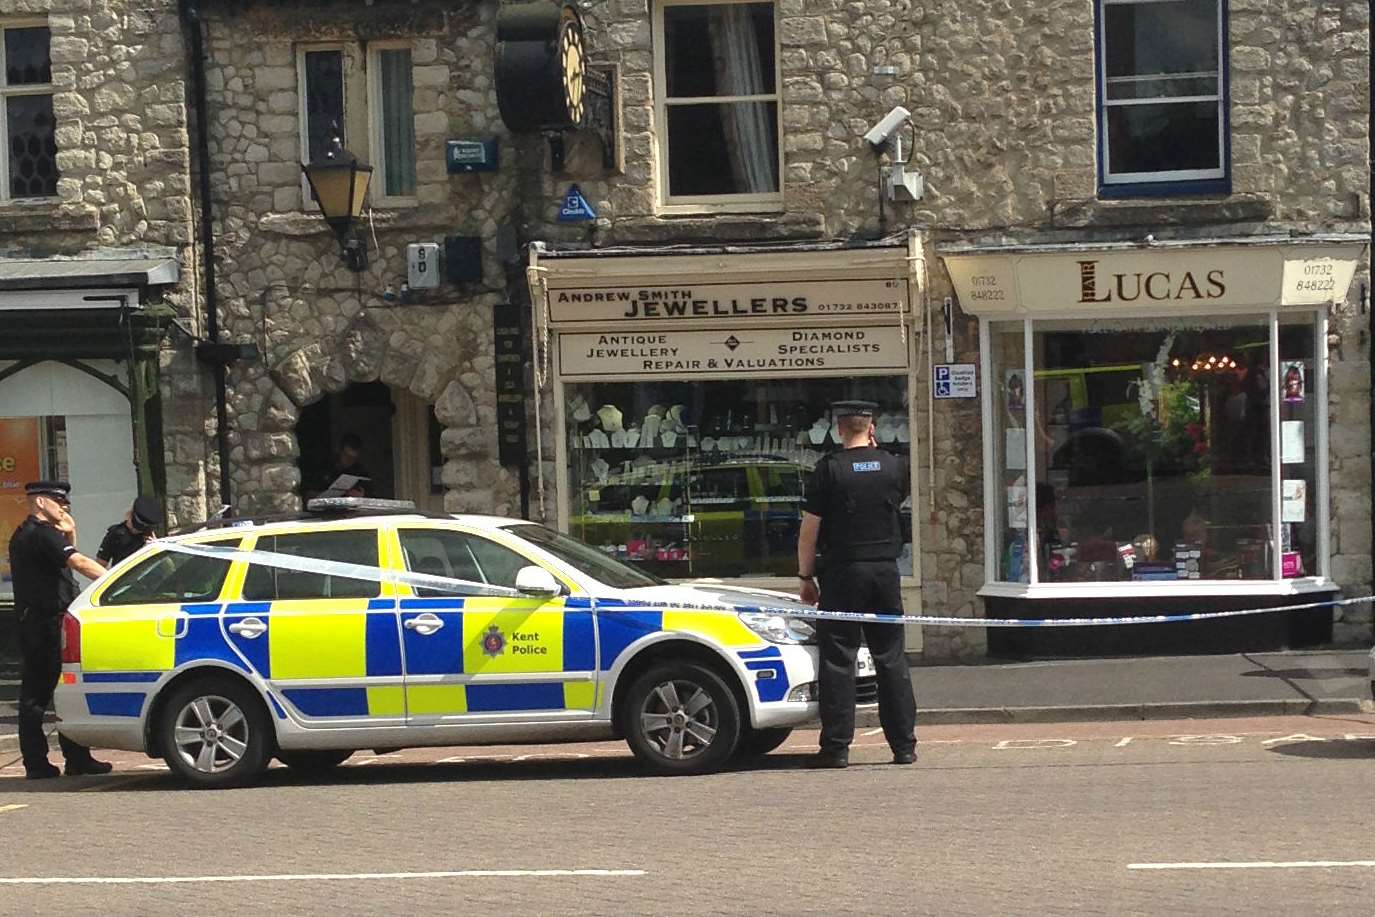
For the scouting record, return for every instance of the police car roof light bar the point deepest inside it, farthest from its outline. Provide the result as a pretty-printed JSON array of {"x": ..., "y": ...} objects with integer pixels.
[{"x": 322, "y": 505}]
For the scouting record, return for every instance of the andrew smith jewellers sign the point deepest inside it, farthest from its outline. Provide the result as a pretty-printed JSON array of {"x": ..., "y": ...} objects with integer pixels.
[
  {"x": 671, "y": 353},
  {"x": 754, "y": 303}
]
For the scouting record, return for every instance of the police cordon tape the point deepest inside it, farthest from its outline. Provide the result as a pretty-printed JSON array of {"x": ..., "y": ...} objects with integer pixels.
[{"x": 461, "y": 588}]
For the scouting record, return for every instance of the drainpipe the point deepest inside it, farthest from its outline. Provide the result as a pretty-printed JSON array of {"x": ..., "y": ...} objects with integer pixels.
[{"x": 191, "y": 17}]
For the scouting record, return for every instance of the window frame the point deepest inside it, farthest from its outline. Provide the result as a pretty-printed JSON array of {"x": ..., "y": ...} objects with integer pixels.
[
  {"x": 26, "y": 89},
  {"x": 1275, "y": 584},
  {"x": 376, "y": 139},
  {"x": 710, "y": 203},
  {"x": 308, "y": 203},
  {"x": 1178, "y": 182}
]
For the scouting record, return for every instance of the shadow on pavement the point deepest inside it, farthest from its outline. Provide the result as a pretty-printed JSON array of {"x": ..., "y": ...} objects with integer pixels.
[
  {"x": 1307, "y": 674},
  {"x": 1362, "y": 749},
  {"x": 551, "y": 766}
]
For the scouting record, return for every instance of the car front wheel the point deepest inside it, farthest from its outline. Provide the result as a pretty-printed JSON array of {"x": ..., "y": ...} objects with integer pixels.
[
  {"x": 214, "y": 733},
  {"x": 313, "y": 762},
  {"x": 759, "y": 742},
  {"x": 681, "y": 718}
]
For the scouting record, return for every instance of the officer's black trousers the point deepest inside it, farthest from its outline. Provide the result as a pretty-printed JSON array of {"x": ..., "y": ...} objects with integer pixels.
[
  {"x": 872, "y": 586},
  {"x": 40, "y": 641}
]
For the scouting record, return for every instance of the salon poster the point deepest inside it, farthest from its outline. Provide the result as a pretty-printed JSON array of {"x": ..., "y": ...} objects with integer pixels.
[
  {"x": 1294, "y": 500},
  {"x": 1292, "y": 383},
  {"x": 1291, "y": 442},
  {"x": 1016, "y": 506},
  {"x": 19, "y": 464}
]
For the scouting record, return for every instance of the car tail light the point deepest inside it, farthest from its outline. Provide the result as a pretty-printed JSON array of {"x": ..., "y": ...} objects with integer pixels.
[{"x": 71, "y": 639}]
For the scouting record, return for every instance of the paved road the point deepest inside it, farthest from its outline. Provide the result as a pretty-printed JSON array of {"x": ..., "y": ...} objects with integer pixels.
[{"x": 1010, "y": 819}]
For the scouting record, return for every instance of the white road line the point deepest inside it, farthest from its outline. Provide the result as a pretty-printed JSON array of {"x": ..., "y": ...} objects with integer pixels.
[
  {"x": 13, "y": 808},
  {"x": 1291, "y": 864},
  {"x": 874, "y": 732},
  {"x": 326, "y": 877}
]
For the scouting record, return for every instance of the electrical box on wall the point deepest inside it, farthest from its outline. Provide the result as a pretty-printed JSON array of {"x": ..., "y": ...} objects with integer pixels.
[{"x": 422, "y": 265}]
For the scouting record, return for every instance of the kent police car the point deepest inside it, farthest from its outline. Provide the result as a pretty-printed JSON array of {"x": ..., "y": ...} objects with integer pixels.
[{"x": 370, "y": 627}]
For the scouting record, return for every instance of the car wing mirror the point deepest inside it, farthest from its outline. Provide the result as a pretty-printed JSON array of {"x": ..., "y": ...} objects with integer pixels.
[{"x": 537, "y": 581}]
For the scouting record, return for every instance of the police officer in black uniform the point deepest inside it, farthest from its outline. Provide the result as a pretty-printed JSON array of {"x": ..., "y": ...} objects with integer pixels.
[
  {"x": 851, "y": 519},
  {"x": 42, "y": 558},
  {"x": 124, "y": 538}
]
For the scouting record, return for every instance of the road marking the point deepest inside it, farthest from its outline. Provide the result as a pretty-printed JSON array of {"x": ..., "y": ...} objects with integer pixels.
[
  {"x": 1292, "y": 864},
  {"x": 13, "y": 808},
  {"x": 874, "y": 732},
  {"x": 326, "y": 877}
]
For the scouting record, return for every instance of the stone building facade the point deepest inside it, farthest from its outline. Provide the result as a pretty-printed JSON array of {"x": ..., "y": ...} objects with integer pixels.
[
  {"x": 98, "y": 275},
  {"x": 1005, "y": 130}
]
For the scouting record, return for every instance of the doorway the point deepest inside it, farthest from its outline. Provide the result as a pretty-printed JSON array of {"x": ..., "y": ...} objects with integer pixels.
[{"x": 396, "y": 439}]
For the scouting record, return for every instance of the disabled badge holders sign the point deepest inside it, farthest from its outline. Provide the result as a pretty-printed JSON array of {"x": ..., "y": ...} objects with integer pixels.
[
  {"x": 954, "y": 380},
  {"x": 575, "y": 208}
]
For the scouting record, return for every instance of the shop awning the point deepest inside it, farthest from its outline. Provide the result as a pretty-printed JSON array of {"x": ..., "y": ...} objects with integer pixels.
[
  {"x": 81, "y": 283},
  {"x": 1159, "y": 277}
]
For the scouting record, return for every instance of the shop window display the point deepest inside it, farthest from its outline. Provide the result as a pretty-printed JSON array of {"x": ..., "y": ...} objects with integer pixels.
[
  {"x": 1151, "y": 451},
  {"x": 707, "y": 479}
]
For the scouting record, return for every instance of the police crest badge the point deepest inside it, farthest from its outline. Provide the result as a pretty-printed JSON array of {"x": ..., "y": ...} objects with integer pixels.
[{"x": 493, "y": 642}]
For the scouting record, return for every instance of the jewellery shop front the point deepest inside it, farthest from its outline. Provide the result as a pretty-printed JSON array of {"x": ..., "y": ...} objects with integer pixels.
[
  {"x": 1155, "y": 437},
  {"x": 692, "y": 396}
]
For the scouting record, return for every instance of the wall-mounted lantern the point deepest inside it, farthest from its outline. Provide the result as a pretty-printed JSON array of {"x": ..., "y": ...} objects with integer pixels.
[{"x": 339, "y": 184}]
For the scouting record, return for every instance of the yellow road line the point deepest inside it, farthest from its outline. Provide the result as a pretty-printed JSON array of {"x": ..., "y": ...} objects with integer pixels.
[{"x": 12, "y": 808}]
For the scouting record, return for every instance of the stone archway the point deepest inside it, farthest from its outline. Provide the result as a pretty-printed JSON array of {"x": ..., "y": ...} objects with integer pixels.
[{"x": 438, "y": 354}]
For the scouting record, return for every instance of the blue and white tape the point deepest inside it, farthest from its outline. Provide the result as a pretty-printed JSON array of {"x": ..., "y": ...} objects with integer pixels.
[{"x": 611, "y": 605}]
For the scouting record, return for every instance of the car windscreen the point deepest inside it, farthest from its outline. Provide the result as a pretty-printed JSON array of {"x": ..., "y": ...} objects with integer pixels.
[{"x": 585, "y": 559}]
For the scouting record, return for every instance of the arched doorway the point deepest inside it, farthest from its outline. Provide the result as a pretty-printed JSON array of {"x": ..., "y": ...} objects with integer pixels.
[{"x": 391, "y": 437}]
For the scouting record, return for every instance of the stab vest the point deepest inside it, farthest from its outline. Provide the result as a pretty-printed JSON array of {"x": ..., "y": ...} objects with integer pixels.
[{"x": 860, "y": 519}]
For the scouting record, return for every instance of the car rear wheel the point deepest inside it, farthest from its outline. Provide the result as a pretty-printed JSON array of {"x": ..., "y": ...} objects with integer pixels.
[
  {"x": 759, "y": 742},
  {"x": 314, "y": 762},
  {"x": 681, "y": 718},
  {"x": 214, "y": 733}
]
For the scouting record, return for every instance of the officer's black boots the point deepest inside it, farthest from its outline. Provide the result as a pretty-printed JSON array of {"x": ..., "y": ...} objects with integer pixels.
[
  {"x": 905, "y": 757},
  {"x": 42, "y": 771},
  {"x": 88, "y": 767},
  {"x": 832, "y": 758}
]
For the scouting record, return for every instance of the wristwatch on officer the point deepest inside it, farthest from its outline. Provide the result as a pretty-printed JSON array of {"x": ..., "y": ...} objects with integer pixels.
[{"x": 807, "y": 577}]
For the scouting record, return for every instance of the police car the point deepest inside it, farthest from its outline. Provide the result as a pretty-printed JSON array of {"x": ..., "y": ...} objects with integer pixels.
[{"x": 365, "y": 628}]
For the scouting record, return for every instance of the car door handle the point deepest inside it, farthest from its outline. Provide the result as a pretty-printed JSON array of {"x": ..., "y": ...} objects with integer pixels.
[
  {"x": 248, "y": 628},
  {"x": 425, "y": 624}
]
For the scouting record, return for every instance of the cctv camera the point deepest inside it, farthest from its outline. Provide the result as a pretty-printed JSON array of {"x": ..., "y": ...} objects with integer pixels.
[{"x": 879, "y": 133}]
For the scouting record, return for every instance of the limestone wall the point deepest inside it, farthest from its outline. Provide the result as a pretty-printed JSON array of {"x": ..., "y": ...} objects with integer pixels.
[
  {"x": 1003, "y": 102},
  {"x": 124, "y": 187},
  {"x": 283, "y": 283}
]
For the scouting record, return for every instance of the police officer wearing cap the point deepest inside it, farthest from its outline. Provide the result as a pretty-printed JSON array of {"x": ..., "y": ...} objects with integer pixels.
[
  {"x": 43, "y": 555},
  {"x": 847, "y": 553},
  {"x": 124, "y": 538}
]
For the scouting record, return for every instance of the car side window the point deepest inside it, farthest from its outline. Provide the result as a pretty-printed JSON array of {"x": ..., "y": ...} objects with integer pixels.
[
  {"x": 170, "y": 576},
  {"x": 265, "y": 583},
  {"x": 459, "y": 555}
]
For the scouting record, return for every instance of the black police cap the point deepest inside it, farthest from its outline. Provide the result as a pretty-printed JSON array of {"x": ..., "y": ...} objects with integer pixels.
[
  {"x": 144, "y": 515},
  {"x": 854, "y": 408},
  {"x": 58, "y": 489}
]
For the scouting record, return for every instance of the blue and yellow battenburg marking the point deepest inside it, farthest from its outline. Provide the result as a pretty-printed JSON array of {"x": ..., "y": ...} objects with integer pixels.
[{"x": 383, "y": 668}]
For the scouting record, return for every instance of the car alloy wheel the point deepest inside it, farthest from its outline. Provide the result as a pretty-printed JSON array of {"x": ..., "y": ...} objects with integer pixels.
[
  {"x": 211, "y": 734},
  {"x": 681, "y": 718},
  {"x": 214, "y": 732}
]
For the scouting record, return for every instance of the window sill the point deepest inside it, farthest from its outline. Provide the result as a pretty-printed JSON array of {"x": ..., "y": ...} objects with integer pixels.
[
  {"x": 1051, "y": 591},
  {"x": 698, "y": 208},
  {"x": 1180, "y": 210},
  {"x": 23, "y": 216}
]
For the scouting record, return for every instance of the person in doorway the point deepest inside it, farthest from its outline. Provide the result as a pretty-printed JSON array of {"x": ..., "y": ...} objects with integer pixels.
[
  {"x": 43, "y": 556},
  {"x": 346, "y": 462},
  {"x": 851, "y": 520},
  {"x": 124, "y": 538}
]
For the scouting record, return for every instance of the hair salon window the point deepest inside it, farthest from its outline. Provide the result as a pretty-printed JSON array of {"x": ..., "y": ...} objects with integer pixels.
[
  {"x": 706, "y": 479},
  {"x": 717, "y": 104},
  {"x": 1162, "y": 97},
  {"x": 1150, "y": 451}
]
